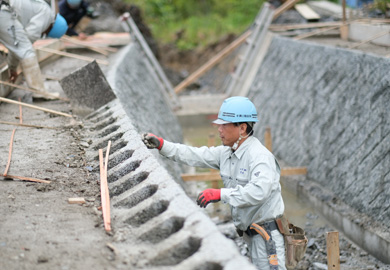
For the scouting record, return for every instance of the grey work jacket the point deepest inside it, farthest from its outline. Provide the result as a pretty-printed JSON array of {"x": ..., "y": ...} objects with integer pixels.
[
  {"x": 29, "y": 19},
  {"x": 250, "y": 176}
]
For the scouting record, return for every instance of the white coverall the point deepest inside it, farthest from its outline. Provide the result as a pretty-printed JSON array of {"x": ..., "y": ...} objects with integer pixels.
[
  {"x": 252, "y": 189},
  {"x": 21, "y": 26}
]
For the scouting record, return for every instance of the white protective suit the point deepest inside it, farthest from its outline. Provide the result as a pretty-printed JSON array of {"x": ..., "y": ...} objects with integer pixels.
[
  {"x": 21, "y": 26},
  {"x": 252, "y": 189}
]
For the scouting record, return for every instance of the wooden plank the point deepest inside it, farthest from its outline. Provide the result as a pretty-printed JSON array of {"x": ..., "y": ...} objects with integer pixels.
[
  {"x": 286, "y": 27},
  {"x": 202, "y": 177},
  {"x": 78, "y": 42},
  {"x": 214, "y": 176},
  {"x": 212, "y": 62},
  {"x": 333, "y": 250},
  {"x": 72, "y": 55},
  {"x": 293, "y": 171},
  {"x": 286, "y": 6},
  {"x": 316, "y": 32},
  {"x": 34, "y": 107},
  {"x": 33, "y": 90},
  {"x": 307, "y": 12}
]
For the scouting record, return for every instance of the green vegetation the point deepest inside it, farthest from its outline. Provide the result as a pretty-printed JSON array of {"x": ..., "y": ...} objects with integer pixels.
[
  {"x": 193, "y": 23},
  {"x": 382, "y": 5}
]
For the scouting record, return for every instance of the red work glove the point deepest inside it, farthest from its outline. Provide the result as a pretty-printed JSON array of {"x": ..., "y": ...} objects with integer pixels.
[
  {"x": 207, "y": 196},
  {"x": 152, "y": 141}
]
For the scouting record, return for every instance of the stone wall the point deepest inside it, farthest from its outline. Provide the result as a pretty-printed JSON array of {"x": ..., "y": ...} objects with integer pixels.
[{"x": 329, "y": 110}]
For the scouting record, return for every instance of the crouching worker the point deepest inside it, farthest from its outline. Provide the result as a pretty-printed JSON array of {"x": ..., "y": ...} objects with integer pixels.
[
  {"x": 250, "y": 174},
  {"x": 22, "y": 23}
]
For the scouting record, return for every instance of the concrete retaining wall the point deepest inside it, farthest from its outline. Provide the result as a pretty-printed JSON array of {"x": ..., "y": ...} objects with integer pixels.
[{"x": 328, "y": 109}]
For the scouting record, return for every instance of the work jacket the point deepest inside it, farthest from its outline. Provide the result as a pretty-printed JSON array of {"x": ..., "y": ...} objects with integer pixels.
[
  {"x": 30, "y": 18},
  {"x": 250, "y": 176}
]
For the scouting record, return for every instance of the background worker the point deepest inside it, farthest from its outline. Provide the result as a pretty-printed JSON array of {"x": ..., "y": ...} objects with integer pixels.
[
  {"x": 250, "y": 174},
  {"x": 22, "y": 23},
  {"x": 73, "y": 11}
]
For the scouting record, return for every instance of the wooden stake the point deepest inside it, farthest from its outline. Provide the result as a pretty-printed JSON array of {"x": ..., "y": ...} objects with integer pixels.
[
  {"x": 212, "y": 62},
  {"x": 33, "y": 90},
  {"x": 26, "y": 178},
  {"x": 12, "y": 141},
  {"x": 72, "y": 55},
  {"x": 333, "y": 250},
  {"x": 108, "y": 209},
  {"x": 9, "y": 153},
  {"x": 105, "y": 197},
  {"x": 34, "y": 107}
]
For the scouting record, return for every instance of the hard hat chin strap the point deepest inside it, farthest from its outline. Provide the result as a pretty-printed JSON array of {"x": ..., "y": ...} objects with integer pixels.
[{"x": 237, "y": 143}]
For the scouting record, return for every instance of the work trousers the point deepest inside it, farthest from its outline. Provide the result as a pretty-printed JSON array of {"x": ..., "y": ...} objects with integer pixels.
[
  {"x": 14, "y": 38},
  {"x": 258, "y": 252}
]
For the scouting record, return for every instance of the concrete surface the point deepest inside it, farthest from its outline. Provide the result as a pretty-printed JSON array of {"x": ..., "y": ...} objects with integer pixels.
[{"x": 87, "y": 87}]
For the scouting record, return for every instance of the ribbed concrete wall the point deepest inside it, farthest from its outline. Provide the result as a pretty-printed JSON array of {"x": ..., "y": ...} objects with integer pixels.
[
  {"x": 329, "y": 110},
  {"x": 134, "y": 82},
  {"x": 155, "y": 224}
]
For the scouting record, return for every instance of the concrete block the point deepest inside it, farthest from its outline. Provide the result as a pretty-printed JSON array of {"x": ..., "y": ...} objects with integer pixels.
[{"x": 87, "y": 87}]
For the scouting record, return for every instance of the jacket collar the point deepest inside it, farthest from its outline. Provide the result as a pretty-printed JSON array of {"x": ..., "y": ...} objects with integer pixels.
[{"x": 241, "y": 150}]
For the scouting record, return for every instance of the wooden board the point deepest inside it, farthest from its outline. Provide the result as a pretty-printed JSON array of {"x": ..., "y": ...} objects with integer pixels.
[{"x": 307, "y": 12}]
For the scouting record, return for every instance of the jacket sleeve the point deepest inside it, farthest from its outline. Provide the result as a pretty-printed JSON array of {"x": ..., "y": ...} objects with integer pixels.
[
  {"x": 264, "y": 179},
  {"x": 193, "y": 156},
  {"x": 39, "y": 23}
]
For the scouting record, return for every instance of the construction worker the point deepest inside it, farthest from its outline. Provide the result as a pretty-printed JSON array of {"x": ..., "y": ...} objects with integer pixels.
[
  {"x": 250, "y": 174},
  {"x": 73, "y": 11},
  {"x": 22, "y": 23}
]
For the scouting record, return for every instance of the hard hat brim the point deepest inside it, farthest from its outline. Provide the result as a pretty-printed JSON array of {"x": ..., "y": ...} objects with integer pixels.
[{"x": 220, "y": 122}]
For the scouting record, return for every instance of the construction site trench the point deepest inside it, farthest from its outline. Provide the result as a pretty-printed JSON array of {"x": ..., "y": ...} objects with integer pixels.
[{"x": 327, "y": 109}]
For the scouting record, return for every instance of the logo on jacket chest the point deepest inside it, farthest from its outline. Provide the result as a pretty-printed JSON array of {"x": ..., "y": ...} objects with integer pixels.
[{"x": 243, "y": 171}]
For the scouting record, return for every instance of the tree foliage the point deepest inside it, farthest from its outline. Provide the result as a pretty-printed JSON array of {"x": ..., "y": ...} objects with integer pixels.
[{"x": 193, "y": 23}]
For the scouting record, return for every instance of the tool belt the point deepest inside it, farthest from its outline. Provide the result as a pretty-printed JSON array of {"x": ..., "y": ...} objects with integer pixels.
[
  {"x": 295, "y": 241},
  {"x": 272, "y": 225},
  {"x": 264, "y": 230}
]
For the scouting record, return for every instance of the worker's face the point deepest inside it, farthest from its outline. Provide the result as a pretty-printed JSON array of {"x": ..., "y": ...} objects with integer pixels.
[{"x": 229, "y": 133}]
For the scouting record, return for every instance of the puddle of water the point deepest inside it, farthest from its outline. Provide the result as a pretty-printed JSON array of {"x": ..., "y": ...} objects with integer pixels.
[{"x": 196, "y": 131}]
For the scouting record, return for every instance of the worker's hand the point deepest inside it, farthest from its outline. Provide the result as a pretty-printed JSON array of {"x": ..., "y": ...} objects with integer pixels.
[
  {"x": 152, "y": 141},
  {"x": 207, "y": 196},
  {"x": 13, "y": 75}
]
